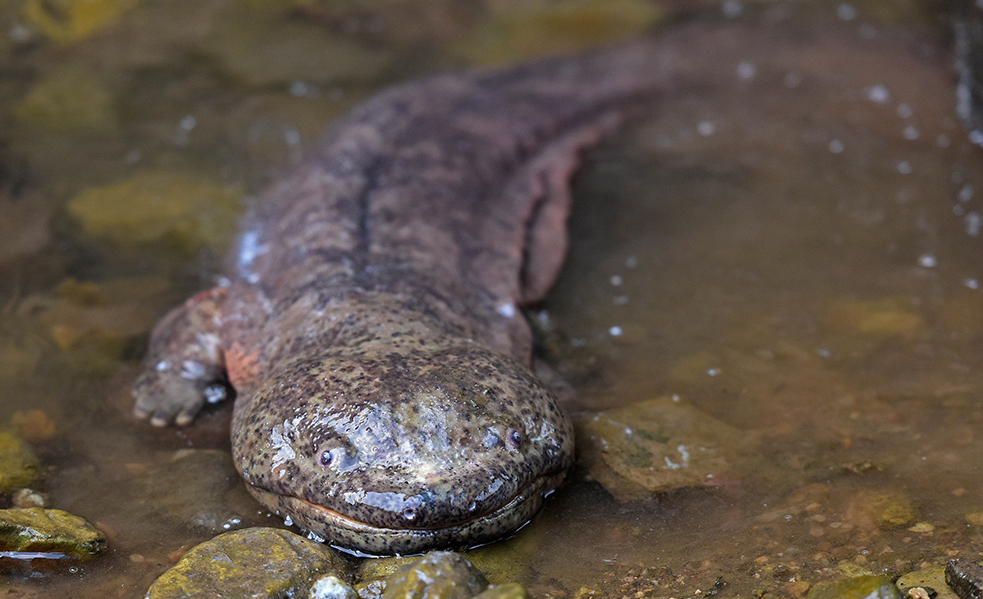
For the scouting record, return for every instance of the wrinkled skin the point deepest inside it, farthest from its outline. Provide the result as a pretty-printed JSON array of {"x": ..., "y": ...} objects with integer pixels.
[{"x": 371, "y": 328}]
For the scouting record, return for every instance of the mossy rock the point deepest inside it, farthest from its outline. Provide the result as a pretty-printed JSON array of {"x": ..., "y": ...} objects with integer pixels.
[
  {"x": 69, "y": 21},
  {"x": 521, "y": 30},
  {"x": 39, "y": 530},
  {"x": 19, "y": 466},
  {"x": 861, "y": 587},
  {"x": 509, "y": 590},
  {"x": 68, "y": 101},
  {"x": 253, "y": 562},
  {"x": 436, "y": 575},
  {"x": 157, "y": 207}
]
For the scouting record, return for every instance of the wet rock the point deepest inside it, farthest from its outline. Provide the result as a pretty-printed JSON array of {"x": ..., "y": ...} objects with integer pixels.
[
  {"x": 520, "y": 30},
  {"x": 881, "y": 318},
  {"x": 883, "y": 510},
  {"x": 68, "y": 101},
  {"x": 25, "y": 498},
  {"x": 929, "y": 578},
  {"x": 254, "y": 54},
  {"x": 965, "y": 578},
  {"x": 68, "y": 21},
  {"x": 175, "y": 210},
  {"x": 508, "y": 560},
  {"x": 974, "y": 518},
  {"x": 265, "y": 563},
  {"x": 436, "y": 575},
  {"x": 374, "y": 573},
  {"x": 861, "y": 587},
  {"x": 657, "y": 445},
  {"x": 332, "y": 586},
  {"x": 32, "y": 535},
  {"x": 34, "y": 426},
  {"x": 19, "y": 467},
  {"x": 509, "y": 590},
  {"x": 191, "y": 490}
]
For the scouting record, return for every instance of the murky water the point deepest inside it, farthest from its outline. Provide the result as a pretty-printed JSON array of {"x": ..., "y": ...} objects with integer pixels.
[{"x": 788, "y": 244}]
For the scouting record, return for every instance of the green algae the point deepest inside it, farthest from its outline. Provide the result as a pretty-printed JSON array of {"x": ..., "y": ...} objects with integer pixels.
[{"x": 253, "y": 562}]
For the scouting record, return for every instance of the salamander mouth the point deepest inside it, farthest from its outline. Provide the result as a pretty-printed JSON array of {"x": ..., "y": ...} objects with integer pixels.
[{"x": 362, "y": 538}]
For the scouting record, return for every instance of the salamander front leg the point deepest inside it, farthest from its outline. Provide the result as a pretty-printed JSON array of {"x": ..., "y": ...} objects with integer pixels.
[{"x": 185, "y": 365}]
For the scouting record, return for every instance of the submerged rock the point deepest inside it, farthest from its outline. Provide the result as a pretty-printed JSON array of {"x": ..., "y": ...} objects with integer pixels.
[
  {"x": 32, "y": 535},
  {"x": 510, "y": 590},
  {"x": 68, "y": 21},
  {"x": 68, "y": 101},
  {"x": 263, "y": 563},
  {"x": 881, "y": 509},
  {"x": 19, "y": 467},
  {"x": 178, "y": 210},
  {"x": 190, "y": 491},
  {"x": 929, "y": 578},
  {"x": 656, "y": 446},
  {"x": 520, "y": 30},
  {"x": 861, "y": 587},
  {"x": 436, "y": 575}
]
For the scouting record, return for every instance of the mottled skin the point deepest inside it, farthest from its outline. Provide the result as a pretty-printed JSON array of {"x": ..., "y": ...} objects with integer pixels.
[{"x": 370, "y": 326}]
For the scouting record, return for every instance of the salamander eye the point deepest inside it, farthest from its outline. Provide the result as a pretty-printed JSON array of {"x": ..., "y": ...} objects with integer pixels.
[
  {"x": 515, "y": 438},
  {"x": 337, "y": 457}
]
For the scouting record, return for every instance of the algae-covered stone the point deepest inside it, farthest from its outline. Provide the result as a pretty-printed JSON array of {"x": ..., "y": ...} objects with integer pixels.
[
  {"x": 436, "y": 575},
  {"x": 525, "y": 29},
  {"x": 68, "y": 100},
  {"x": 657, "y": 445},
  {"x": 509, "y": 590},
  {"x": 882, "y": 318},
  {"x": 251, "y": 52},
  {"x": 933, "y": 578},
  {"x": 176, "y": 209},
  {"x": 71, "y": 20},
  {"x": 861, "y": 587},
  {"x": 885, "y": 510},
  {"x": 40, "y": 530},
  {"x": 254, "y": 562},
  {"x": 374, "y": 573},
  {"x": 19, "y": 466}
]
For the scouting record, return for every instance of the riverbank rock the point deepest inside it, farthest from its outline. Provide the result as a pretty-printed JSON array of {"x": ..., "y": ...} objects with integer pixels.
[
  {"x": 32, "y": 535},
  {"x": 262, "y": 563}
]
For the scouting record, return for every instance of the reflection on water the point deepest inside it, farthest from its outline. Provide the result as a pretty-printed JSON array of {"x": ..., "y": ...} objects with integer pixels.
[{"x": 789, "y": 246}]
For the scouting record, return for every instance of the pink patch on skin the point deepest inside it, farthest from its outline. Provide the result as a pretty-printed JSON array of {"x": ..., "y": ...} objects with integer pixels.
[{"x": 241, "y": 367}]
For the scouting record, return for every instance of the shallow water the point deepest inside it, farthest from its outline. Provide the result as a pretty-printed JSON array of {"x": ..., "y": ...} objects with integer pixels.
[{"x": 788, "y": 243}]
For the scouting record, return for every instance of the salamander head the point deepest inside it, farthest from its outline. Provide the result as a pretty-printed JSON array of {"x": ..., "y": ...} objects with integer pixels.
[{"x": 404, "y": 452}]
